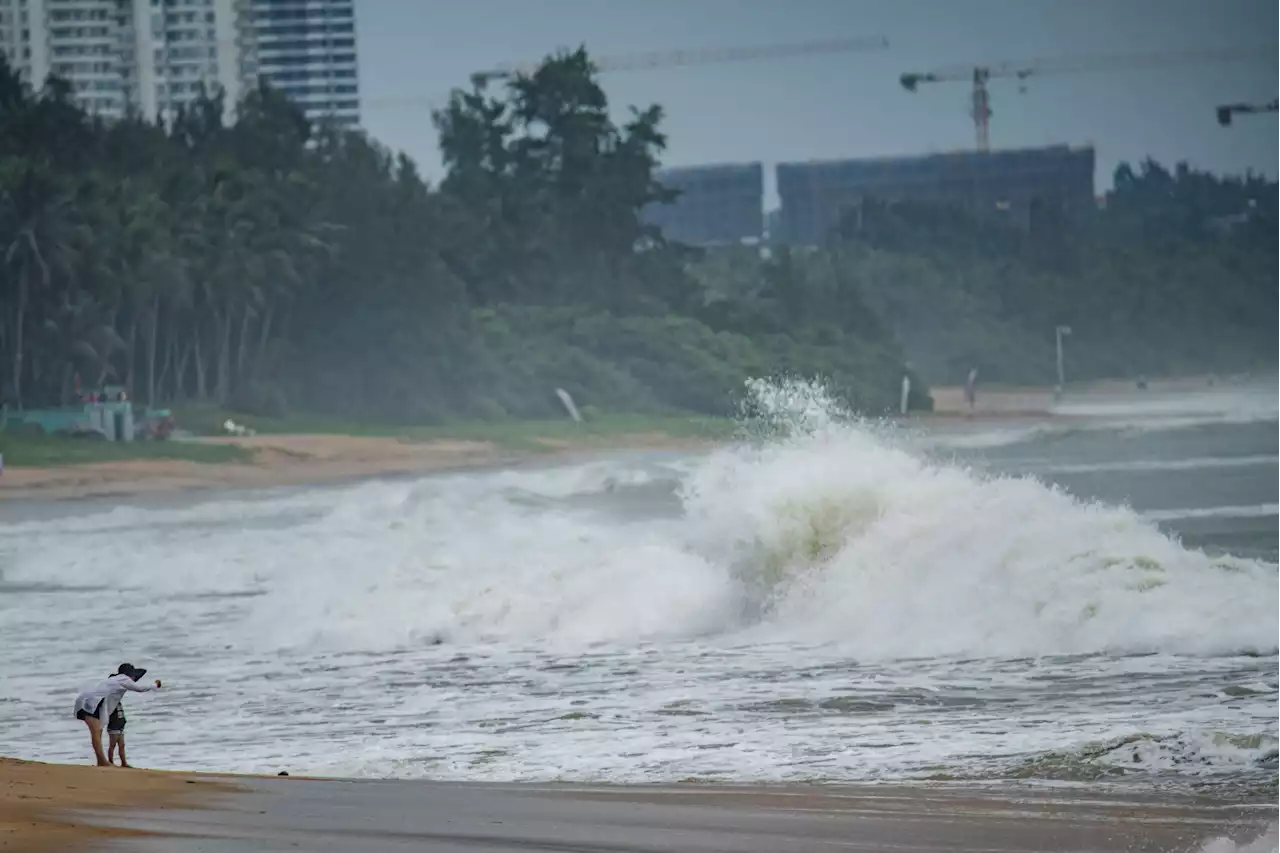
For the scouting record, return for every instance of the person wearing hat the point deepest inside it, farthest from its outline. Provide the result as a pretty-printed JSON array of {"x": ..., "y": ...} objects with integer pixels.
[{"x": 96, "y": 704}]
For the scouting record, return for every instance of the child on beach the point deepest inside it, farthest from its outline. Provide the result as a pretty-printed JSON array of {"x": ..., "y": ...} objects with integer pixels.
[
  {"x": 98, "y": 703},
  {"x": 115, "y": 735}
]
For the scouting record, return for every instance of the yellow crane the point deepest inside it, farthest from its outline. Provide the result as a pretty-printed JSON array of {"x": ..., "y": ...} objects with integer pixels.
[
  {"x": 979, "y": 75},
  {"x": 1227, "y": 111}
]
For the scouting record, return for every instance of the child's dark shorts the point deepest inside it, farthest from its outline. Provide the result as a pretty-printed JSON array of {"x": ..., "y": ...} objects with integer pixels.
[{"x": 115, "y": 723}]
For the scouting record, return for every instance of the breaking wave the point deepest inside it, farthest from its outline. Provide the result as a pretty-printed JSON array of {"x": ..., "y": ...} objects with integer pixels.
[
  {"x": 1197, "y": 754},
  {"x": 841, "y": 535},
  {"x": 757, "y": 613},
  {"x": 815, "y": 528}
]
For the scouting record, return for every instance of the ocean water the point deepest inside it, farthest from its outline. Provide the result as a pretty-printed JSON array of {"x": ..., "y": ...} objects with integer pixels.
[{"x": 829, "y": 600}]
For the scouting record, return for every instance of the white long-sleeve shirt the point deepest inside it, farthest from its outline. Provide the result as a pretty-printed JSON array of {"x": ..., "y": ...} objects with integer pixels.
[{"x": 109, "y": 692}]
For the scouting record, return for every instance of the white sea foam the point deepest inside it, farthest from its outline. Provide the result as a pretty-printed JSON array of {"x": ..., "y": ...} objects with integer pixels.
[
  {"x": 1199, "y": 463},
  {"x": 1234, "y": 405},
  {"x": 1185, "y": 513},
  {"x": 1135, "y": 413},
  {"x": 873, "y": 547},
  {"x": 766, "y": 624},
  {"x": 1268, "y": 842}
]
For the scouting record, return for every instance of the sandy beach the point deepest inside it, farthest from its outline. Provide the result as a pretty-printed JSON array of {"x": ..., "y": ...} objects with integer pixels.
[
  {"x": 277, "y": 460},
  {"x": 37, "y": 802},
  {"x": 289, "y": 460},
  {"x": 47, "y": 807}
]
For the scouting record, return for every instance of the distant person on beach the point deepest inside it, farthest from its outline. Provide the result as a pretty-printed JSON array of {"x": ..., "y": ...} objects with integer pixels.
[
  {"x": 971, "y": 388},
  {"x": 96, "y": 705}
]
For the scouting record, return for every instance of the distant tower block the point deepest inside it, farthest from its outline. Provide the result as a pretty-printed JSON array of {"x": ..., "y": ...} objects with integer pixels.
[
  {"x": 816, "y": 196},
  {"x": 307, "y": 50},
  {"x": 718, "y": 205}
]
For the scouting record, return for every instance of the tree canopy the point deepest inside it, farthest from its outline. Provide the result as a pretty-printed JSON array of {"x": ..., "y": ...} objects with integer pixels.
[
  {"x": 1176, "y": 273},
  {"x": 267, "y": 263}
]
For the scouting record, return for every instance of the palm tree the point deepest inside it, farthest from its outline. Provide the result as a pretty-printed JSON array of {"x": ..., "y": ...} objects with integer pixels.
[{"x": 40, "y": 246}]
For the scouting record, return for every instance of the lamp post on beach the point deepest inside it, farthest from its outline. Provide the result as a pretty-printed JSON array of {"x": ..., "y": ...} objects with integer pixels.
[{"x": 1059, "y": 332}]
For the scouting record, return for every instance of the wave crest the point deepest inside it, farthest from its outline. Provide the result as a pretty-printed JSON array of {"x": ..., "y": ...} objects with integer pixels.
[{"x": 841, "y": 534}]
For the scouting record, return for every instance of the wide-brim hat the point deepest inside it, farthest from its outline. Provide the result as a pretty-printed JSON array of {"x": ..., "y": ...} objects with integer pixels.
[{"x": 131, "y": 671}]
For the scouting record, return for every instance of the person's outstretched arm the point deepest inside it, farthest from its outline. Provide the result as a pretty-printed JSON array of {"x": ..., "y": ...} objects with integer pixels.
[{"x": 130, "y": 684}]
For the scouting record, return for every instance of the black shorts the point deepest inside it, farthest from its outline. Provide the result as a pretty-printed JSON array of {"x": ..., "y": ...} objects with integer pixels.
[
  {"x": 115, "y": 723},
  {"x": 97, "y": 711}
]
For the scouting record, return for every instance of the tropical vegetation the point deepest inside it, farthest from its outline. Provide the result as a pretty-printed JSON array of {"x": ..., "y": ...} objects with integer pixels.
[
  {"x": 266, "y": 265},
  {"x": 263, "y": 264},
  {"x": 1176, "y": 274}
]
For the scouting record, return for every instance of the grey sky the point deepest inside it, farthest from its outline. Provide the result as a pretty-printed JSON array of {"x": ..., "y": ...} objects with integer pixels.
[{"x": 850, "y": 105}]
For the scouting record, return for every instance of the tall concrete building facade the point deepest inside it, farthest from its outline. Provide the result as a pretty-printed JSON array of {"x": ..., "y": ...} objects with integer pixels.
[
  {"x": 154, "y": 56},
  {"x": 307, "y": 50},
  {"x": 1007, "y": 184},
  {"x": 189, "y": 47},
  {"x": 151, "y": 56},
  {"x": 80, "y": 42},
  {"x": 718, "y": 205}
]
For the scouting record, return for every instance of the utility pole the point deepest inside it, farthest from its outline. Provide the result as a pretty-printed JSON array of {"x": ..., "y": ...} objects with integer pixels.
[
  {"x": 1059, "y": 333},
  {"x": 981, "y": 108}
]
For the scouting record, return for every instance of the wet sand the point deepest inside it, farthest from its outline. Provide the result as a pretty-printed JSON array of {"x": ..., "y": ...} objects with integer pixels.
[
  {"x": 285, "y": 460},
  {"x": 51, "y": 807},
  {"x": 37, "y": 803}
]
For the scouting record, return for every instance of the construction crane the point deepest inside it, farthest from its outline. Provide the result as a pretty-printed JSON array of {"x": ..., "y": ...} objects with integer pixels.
[
  {"x": 700, "y": 56},
  {"x": 1227, "y": 111},
  {"x": 663, "y": 59},
  {"x": 979, "y": 75}
]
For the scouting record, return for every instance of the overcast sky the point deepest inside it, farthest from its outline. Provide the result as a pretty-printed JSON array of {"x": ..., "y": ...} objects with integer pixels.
[{"x": 412, "y": 52}]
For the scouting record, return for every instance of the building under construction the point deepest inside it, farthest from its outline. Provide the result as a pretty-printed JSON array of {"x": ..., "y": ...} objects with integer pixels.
[
  {"x": 1010, "y": 183},
  {"x": 718, "y": 205}
]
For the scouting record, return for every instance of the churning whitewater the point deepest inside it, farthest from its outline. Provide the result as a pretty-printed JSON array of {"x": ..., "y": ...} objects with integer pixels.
[{"x": 819, "y": 601}]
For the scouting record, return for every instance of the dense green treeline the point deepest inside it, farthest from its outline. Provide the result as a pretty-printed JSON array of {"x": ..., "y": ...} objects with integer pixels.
[
  {"x": 1176, "y": 274},
  {"x": 265, "y": 265}
]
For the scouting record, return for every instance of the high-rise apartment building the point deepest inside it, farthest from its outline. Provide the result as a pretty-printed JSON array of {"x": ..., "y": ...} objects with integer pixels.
[
  {"x": 154, "y": 56},
  {"x": 151, "y": 56},
  {"x": 307, "y": 50},
  {"x": 77, "y": 41},
  {"x": 185, "y": 46}
]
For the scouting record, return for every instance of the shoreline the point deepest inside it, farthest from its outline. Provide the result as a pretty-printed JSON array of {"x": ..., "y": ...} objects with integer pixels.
[
  {"x": 38, "y": 802},
  {"x": 284, "y": 460},
  {"x": 305, "y": 459},
  {"x": 48, "y": 807},
  {"x": 281, "y": 461}
]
